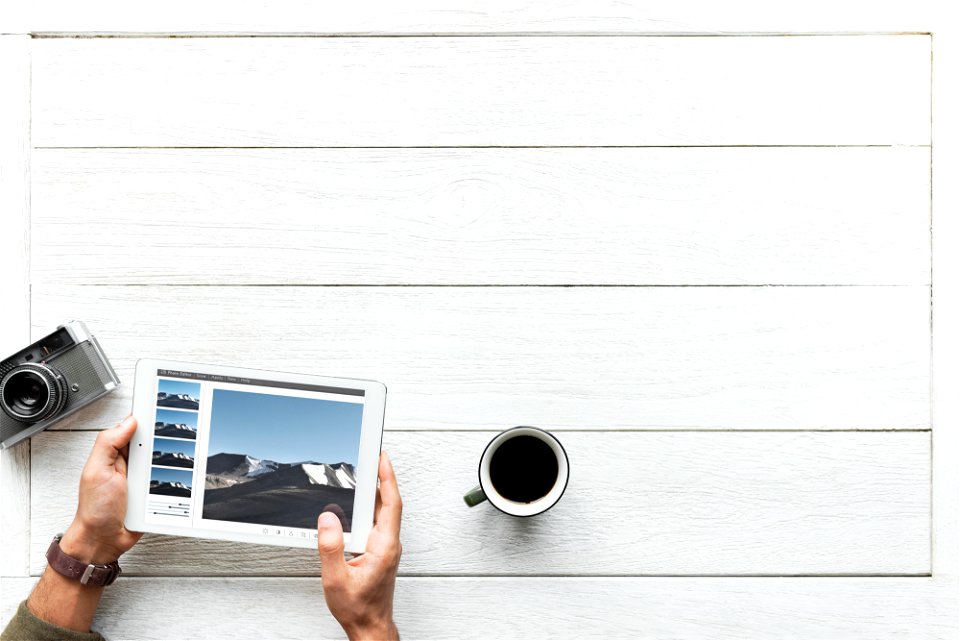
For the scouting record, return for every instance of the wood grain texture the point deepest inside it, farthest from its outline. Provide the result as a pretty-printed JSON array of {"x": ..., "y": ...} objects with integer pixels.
[
  {"x": 946, "y": 312},
  {"x": 832, "y": 90},
  {"x": 759, "y": 358},
  {"x": 483, "y": 216},
  {"x": 15, "y": 192},
  {"x": 15, "y": 276},
  {"x": 567, "y": 358},
  {"x": 665, "y": 503},
  {"x": 15, "y": 510},
  {"x": 535, "y": 608},
  {"x": 469, "y": 16}
]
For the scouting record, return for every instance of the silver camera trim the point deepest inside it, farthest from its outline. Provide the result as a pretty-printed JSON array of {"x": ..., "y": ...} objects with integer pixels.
[
  {"x": 79, "y": 332},
  {"x": 53, "y": 399}
]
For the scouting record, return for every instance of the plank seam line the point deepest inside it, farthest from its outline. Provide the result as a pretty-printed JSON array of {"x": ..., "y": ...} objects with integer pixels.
[
  {"x": 133, "y": 35},
  {"x": 377, "y": 147},
  {"x": 503, "y": 285}
]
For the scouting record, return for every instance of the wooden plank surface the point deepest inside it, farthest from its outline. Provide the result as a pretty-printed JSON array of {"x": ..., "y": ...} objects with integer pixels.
[
  {"x": 658, "y": 503},
  {"x": 567, "y": 358},
  {"x": 468, "y": 17},
  {"x": 483, "y": 216},
  {"x": 945, "y": 316},
  {"x": 482, "y": 358},
  {"x": 15, "y": 508},
  {"x": 554, "y": 91},
  {"x": 535, "y": 608},
  {"x": 15, "y": 276},
  {"x": 15, "y": 192}
]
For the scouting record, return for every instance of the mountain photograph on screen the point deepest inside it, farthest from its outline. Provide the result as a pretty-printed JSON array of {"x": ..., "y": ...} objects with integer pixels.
[
  {"x": 281, "y": 460},
  {"x": 171, "y": 482},
  {"x": 173, "y": 453},
  {"x": 176, "y": 424},
  {"x": 179, "y": 394}
]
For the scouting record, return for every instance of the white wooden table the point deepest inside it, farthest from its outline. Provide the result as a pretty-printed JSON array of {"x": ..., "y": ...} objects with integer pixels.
[{"x": 696, "y": 249}]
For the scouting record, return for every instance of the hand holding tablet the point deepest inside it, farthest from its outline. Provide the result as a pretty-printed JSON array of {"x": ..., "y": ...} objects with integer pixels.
[
  {"x": 359, "y": 592},
  {"x": 250, "y": 455}
]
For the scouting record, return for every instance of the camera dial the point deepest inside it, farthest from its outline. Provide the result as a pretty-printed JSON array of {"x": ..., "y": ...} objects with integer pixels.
[{"x": 32, "y": 392}]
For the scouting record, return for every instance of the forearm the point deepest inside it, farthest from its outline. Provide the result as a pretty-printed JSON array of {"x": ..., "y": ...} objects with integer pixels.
[
  {"x": 63, "y": 608},
  {"x": 61, "y": 601},
  {"x": 66, "y": 602}
]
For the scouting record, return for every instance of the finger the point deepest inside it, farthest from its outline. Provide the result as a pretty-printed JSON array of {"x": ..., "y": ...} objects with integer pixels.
[
  {"x": 376, "y": 508},
  {"x": 123, "y": 458},
  {"x": 333, "y": 567},
  {"x": 107, "y": 448},
  {"x": 338, "y": 512},
  {"x": 391, "y": 505},
  {"x": 121, "y": 464}
]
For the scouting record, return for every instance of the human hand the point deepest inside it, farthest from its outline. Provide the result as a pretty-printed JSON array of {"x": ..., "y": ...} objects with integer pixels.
[
  {"x": 97, "y": 534},
  {"x": 359, "y": 592}
]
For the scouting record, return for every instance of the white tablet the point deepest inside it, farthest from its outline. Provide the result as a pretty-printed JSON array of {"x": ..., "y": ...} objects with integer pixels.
[{"x": 250, "y": 455}]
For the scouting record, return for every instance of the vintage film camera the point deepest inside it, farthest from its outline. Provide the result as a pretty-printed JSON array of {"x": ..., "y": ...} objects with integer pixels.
[{"x": 52, "y": 378}]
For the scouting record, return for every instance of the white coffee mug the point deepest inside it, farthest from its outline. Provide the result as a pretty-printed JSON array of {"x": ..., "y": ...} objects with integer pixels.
[{"x": 487, "y": 491}]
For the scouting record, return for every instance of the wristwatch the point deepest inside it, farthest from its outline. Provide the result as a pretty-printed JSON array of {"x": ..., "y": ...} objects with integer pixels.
[{"x": 86, "y": 573}]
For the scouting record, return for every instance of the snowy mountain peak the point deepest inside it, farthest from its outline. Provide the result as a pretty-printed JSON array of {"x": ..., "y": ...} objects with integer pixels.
[
  {"x": 256, "y": 467},
  {"x": 336, "y": 475},
  {"x": 228, "y": 470}
]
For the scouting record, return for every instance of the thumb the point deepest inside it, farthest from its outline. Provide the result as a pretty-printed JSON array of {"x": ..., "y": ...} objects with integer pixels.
[
  {"x": 109, "y": 442},
  {"x": 333, "y": 566}
]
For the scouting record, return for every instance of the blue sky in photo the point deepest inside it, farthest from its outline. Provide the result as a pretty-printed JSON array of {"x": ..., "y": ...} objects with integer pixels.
[
  {"x": 173, "y": 445},
  {"x": 165, "y": 475},
  {"x": 171, "y": 416},
  {"x": 179, "y": 387},
  {"x": 285, "y": 429}
]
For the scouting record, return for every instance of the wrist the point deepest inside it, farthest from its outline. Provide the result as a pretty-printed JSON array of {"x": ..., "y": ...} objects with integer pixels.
[
  {"x": 79, "y": 543},
  {"x": 374, "y": 631}
]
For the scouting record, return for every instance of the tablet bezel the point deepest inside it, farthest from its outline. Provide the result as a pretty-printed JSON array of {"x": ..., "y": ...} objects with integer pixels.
[{"x": 140, "y": 456}]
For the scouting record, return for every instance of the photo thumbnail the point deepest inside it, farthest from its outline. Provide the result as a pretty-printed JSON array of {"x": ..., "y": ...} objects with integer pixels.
[
  {"x": 176, "y": 424},
  {"x": 281, "y": 460},
  {"x": 173, "y": 453},
  {"x": 179, "y": 394},
  {"x": 171, "y": 482}
]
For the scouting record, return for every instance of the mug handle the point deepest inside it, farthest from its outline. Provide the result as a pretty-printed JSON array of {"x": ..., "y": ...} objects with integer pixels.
[{"x": 476, "y": 496}]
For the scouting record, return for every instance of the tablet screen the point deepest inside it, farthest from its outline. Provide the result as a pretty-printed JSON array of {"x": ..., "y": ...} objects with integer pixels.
[{"x": 248, "y": 455}]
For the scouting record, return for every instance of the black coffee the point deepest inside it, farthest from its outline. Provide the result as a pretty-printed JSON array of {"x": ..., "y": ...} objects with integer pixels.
[{"x": 523, "y": 469}]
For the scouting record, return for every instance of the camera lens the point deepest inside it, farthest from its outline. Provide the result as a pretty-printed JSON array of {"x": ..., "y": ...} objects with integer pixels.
[{"x": 31, "y": 392}]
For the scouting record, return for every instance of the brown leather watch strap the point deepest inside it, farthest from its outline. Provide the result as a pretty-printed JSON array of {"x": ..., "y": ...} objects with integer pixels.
[{"x": 86, "y": 573}]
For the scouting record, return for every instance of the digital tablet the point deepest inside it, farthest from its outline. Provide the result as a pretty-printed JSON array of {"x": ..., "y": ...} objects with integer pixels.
[{"x": 251, "y": 455}]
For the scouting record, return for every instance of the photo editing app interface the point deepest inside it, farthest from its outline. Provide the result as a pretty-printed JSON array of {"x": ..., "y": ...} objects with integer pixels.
[{"x": 243, "y": 455}]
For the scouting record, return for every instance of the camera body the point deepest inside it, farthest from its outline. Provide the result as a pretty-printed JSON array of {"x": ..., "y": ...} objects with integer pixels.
[{"x": 51, "y": 379}]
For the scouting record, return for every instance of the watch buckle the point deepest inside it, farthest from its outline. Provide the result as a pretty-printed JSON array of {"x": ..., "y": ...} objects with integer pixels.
[{"x": 87, "y": 573}]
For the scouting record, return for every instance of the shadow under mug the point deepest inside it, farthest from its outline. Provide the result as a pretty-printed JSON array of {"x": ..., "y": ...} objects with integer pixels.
[{"x": 487, "y": 492}]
